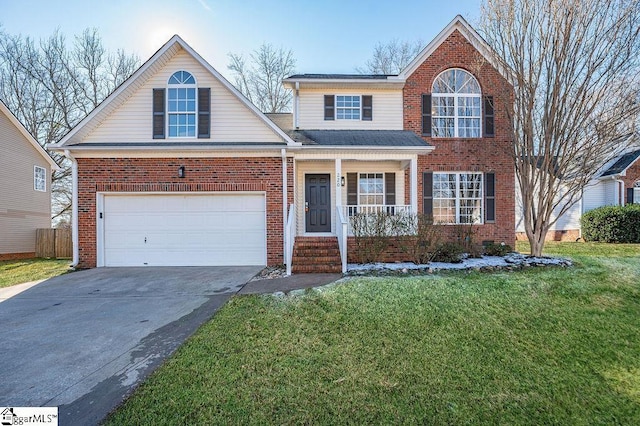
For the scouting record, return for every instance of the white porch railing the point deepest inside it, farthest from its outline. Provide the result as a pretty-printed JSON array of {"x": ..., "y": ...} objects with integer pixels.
[
  {"x": 348, "y": 211},
  {"x": 342, "y": 229},
  {"x": 290, "y": 237}
]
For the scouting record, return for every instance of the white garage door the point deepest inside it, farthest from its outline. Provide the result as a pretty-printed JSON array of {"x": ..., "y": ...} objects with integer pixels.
[{"x": 184, "y": 230}]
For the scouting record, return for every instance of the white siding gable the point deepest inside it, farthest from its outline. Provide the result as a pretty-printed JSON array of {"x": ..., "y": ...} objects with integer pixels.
[
  {"x": 231, "y": 120},
  {"x": 22, "y": 208},
  {"x": 387, "y": 110}
]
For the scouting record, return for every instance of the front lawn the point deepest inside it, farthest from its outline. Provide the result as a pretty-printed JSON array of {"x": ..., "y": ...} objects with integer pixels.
[
  {"x": 540, "y": 346},
  {"x": 14, "y": 272}
]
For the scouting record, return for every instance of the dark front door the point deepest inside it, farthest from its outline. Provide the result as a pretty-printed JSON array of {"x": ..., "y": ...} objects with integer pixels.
[{"x": 317, "y": 205}]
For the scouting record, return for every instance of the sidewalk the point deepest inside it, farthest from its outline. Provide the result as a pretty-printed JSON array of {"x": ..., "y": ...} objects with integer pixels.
[
  {"x": 8, "y": 292},
  {"x": 286, "y": 284}
]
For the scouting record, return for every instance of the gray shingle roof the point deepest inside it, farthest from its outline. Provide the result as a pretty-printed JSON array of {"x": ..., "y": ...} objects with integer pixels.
[
  {"x": 622, "y": 163},
  {"x": 359, "y": 138}
]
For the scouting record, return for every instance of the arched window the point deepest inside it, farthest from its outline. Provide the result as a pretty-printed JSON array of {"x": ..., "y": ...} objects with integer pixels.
[
  {"x": 456, "y": 101},
  {"x": 182, "y": 105}
]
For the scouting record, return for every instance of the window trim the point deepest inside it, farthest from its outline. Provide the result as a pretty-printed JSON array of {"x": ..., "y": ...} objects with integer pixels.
[
  {"x": 336, "y": 107},
  {"x": 35, "y": 178},
  {"x": 383, "y": 193},
  {"x": 195, "y": 112},
  {"x": 458, "y": 198},
  {"x": 456, "y": 96}
]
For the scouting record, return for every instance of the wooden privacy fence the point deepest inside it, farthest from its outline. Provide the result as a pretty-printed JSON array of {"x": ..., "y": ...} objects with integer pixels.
[{"x": 54, "y": 243}]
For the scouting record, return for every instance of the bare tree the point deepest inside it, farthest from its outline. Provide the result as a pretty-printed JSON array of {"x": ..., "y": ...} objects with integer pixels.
[
  {"x": 391, "y": 58},
  {"x": 261, "y": 80},
  {"x": 50, "y": 86},
  {"x": 574, "y": 67}
]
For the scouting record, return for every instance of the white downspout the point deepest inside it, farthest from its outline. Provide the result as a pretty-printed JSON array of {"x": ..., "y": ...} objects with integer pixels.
[
  {"x": 74, "y": 208},
  {"x": 296, "y": 105},
  {"x": 285, "y": 238}
]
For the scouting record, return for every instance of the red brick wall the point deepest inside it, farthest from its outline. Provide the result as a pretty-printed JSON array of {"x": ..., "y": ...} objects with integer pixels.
[
  {"x": 632, "y": 176},
  {"x": 161, "y": 174},
  {"x": 468, "y": 155}
]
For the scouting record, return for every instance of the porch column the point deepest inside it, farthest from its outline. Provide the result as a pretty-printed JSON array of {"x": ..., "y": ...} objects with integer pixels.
[
  {"x": 414, "y": 185},
  {"x": 338, "y": 182}
]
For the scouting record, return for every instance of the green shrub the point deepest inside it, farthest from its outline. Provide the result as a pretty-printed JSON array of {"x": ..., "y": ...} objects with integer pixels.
[
  {"x": 449, "y": 253},
  {"x": 612, "y": 224},
  {"x": 493, "y": 249}
]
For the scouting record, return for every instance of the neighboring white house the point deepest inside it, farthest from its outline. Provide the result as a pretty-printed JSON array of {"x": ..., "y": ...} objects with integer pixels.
[
  {"x": 25, "y": 190},
  {"x": 617, "y": 183}
]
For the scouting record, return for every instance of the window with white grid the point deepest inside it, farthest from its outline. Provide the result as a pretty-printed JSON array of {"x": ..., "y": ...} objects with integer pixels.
[
  {"x": 455, "y": 105},
  {"x": 371, "y": 189},
  {"x": 457, "y": 198},
  {"x": 347, "y": 107},
  {"x": 40, "y": 179},
  {"x": 181, "y": 105}
]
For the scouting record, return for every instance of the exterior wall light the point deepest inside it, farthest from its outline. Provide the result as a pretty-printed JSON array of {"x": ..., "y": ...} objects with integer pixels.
[
  {"x": 342, "y": 181},
  {"x": 181, "y": 171}
]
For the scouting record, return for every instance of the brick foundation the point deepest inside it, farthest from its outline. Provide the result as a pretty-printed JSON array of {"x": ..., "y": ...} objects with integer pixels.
[
  {"x": 161, "y": 175},
  {"x": 563, "y": 235},
  {"x": 17, "y": 256}
]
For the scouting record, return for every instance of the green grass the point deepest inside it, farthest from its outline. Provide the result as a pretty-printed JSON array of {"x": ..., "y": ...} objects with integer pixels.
[
  {"x": 540, "y": 346},
  {"x": 14, "y": 272}
]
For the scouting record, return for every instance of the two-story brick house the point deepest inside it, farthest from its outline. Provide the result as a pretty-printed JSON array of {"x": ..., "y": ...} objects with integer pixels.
[{"x": 178, "y": 168}]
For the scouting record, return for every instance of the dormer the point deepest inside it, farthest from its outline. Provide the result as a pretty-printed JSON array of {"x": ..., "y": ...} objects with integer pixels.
[{"x": 346, "y": 101}]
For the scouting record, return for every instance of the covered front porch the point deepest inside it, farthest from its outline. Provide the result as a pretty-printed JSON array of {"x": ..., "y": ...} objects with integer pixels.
[{"x": 329, "y": 188}]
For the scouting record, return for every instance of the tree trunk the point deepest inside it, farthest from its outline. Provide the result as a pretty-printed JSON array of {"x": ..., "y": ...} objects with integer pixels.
[{"x": 536, "y": 239}]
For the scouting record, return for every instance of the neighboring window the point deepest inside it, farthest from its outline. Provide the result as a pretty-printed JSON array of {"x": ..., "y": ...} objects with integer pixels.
[
  {"x": 371, "y": 189},
  {"x": 40, "y": 179},
  {"x": 181, "y": 105},
  {"x": 636, "y": 192},
  {"x": 457, "y": 197},
  {"x": 347, "y": 107},
  {"x": 456, "y": 101}
]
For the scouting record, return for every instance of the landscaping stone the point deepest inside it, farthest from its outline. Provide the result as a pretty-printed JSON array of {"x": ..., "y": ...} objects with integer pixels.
[{"x": 510, "y": 262}]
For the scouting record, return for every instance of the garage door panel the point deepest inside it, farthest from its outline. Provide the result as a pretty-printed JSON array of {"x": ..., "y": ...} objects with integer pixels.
[{"x": 183, "y": 230}]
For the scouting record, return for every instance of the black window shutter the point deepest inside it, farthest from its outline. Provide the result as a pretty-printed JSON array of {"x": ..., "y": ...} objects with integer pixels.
[
  {"x": 329, "y": 113},
  {"x": 489, "y": 128},
  {"x": 367, "y": 108},
  {"x": 426, "y": 115},
  {"x": 352, "y": 189},
  {"x": 390, "y": 189},
  {"x": 158, "y": 113},
  {"x": 629, "y": 195},
  {"x": 204, "y": 112},
  {"x": 427, "y": 193},
  {"x": 490, "y": 197}
]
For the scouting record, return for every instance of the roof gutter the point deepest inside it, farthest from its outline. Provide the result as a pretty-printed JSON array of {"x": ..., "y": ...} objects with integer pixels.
[{"x": 150, "y": 147}]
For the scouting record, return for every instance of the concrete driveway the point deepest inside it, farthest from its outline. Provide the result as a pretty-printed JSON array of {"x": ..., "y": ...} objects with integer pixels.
[{"x": 82, "y": 341}]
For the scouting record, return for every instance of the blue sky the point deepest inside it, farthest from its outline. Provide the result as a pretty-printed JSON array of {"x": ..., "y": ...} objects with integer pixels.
[{"x": 326, "y": 36}]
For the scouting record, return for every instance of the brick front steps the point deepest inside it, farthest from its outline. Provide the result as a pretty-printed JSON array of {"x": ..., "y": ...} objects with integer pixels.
[{"x": 316, "y": 255}]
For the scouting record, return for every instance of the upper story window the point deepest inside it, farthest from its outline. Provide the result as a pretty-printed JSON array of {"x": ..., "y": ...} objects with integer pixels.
[
  {"x": 182, "y": 109},
  {"x": 455, "y": 109},
  {"x": 348, "y": 107},
  {"x": 182, "y": 105},
  {"x": 39, "y": 178}
]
